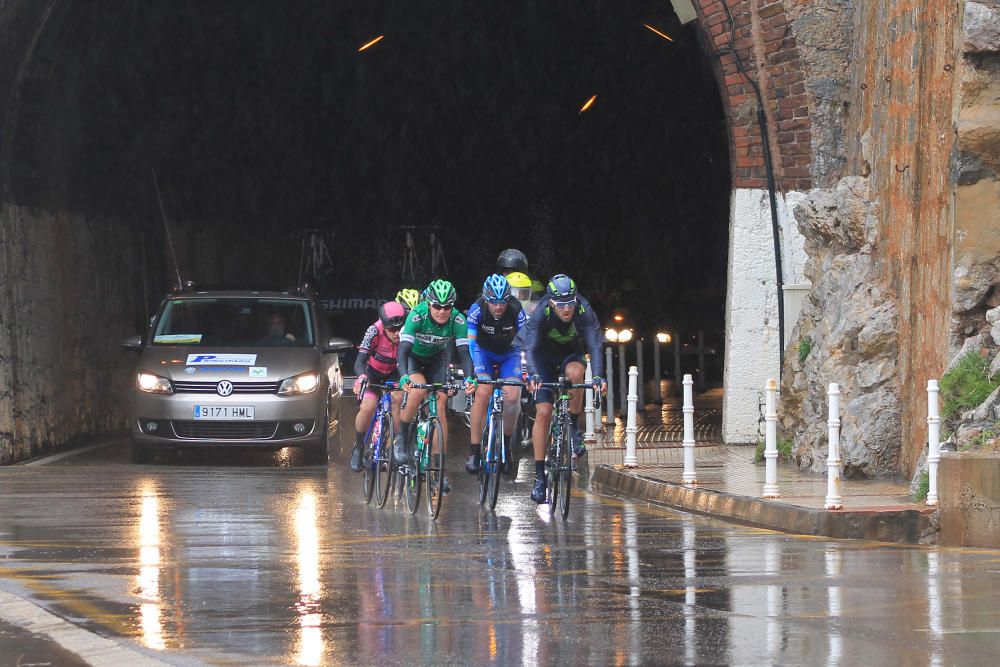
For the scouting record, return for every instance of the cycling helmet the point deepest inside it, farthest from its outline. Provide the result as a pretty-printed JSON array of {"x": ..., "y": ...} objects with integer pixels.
[
  {"x": 496, "y": 289},
  {"x": 562, "y": 287},
  {"x": 392, "y": 314},
  {"x": 511, "y": 259},
  {"x": 440, "y": 293},
  {"x": 518, "y": 279},
  {"x": 408, "y": 297}
]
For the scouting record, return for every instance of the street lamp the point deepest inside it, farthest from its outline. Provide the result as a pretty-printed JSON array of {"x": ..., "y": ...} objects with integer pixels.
[
  {"x": 625, "y": 335},
  {"x": 663, "y": 337},
  {"x": 610, "y": 335}
]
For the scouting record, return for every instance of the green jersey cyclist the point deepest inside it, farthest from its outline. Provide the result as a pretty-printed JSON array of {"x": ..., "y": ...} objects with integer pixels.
[{"x": 424, "y": 354}]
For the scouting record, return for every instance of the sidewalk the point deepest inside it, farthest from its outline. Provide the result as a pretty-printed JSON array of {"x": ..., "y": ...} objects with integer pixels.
[{"x": 730, "y": 484}]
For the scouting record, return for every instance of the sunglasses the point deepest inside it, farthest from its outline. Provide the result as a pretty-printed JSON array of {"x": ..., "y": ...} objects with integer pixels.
[
  {"x": 496, "y": 302},
  {"x": 443, "y": 306},
  {"x": 564, "y": 304},
  {"x": 394, "y": 329}
]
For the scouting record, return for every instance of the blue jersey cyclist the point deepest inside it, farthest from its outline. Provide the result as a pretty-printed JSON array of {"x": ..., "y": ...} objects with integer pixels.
[
  {"x": 495, "y": 319},
  {"x": 562, "y": 327}
]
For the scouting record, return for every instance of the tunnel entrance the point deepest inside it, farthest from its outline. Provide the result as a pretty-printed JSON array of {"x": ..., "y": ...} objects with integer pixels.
[{"x": 262, "y": 120}]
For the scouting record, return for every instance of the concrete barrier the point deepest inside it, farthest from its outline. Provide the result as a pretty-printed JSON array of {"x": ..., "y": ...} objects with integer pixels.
[{"x": 969, "y": 499}]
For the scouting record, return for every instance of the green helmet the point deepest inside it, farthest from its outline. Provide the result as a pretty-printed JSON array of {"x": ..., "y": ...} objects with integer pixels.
[{"x": 440, "y": 293}]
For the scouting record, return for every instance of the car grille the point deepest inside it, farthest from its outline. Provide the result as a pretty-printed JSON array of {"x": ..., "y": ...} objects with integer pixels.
[
  {"x": 182, "y": 387},
  {"x": 199, "y": 430}
]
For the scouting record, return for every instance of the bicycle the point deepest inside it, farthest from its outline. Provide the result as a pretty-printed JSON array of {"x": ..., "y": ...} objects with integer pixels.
[
  {"x": 376, "y": 457},
  {"x": 423, "y": 467},
  {"x": 494, "y": 451},
  {"x": 558, "y": 468}
]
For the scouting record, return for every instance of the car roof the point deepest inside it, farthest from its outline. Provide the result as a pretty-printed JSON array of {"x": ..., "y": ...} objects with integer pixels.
[{"x": 241, "y": 294}]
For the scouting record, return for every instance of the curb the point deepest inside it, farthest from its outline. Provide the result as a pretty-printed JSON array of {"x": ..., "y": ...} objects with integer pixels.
[{"x": 904, "y": 526}]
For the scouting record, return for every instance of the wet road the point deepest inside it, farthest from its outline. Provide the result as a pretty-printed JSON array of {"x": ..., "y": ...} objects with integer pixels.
[{"x": 197, "y": 560}]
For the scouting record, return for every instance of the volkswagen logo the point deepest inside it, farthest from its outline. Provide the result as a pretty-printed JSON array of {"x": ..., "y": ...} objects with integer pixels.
[{"x": 225, "y": 388}]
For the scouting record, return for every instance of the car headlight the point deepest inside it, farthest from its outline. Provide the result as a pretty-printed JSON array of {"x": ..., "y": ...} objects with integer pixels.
[
  {"x": 306, "y": 383},
  {"x": 153, "y": 384}
]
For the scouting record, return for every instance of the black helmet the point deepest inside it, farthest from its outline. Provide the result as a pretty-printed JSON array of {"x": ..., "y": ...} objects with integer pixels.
[{"x": 512, "y": 259}]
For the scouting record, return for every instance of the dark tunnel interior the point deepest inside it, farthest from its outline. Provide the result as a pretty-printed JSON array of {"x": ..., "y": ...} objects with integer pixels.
[{"x": 262, "y": 119}]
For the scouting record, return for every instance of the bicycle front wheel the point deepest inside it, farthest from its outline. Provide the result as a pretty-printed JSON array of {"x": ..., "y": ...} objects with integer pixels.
[
  {"x": 383, "y": 463},
  {"x": 368, "y": 463},
  {"x": 493, "y": 481},
  {"x": 484, "y": 470},
  {"x": 412, "y": 479},
  {"x": 552, "y": 469},
  {"x": 436, "y": 470},
  {"x": 565, "y": 480}
]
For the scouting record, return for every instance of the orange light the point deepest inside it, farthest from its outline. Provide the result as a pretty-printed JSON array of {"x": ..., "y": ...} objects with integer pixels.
[
  {"x": 589, "y": 104},
  {"x": 371, "y": 43},
  {"x": 658, "y": 32},
  {"x": 619, "y": 318}
]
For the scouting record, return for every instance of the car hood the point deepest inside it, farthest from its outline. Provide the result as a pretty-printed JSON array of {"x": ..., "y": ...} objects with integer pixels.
[{"x": 204, "y": 364}]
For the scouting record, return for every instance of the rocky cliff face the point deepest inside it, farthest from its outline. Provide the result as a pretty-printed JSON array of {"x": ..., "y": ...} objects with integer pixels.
[{"x": 847, "y": 333}]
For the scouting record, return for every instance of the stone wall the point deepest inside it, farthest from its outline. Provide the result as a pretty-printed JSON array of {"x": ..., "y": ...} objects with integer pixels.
[{"x": 70, "y": 291}]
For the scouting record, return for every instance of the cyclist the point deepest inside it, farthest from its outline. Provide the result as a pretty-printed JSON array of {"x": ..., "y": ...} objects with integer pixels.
[
  {"x": 376, "y": 362},
  {"x": 409, "y": 297},
  {"x": 494, "y": 320},
  {"x": 562, "y": 325},
  {"x": 424, "y": 353}
]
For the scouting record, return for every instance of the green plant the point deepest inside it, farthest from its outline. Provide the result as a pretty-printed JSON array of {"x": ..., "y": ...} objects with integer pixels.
[
  {"x": 964, "y": 387},
  {"x": 784, "y": 450},
  {"x": 923, "y": 485},
  {"x": 805, "y": 347}
]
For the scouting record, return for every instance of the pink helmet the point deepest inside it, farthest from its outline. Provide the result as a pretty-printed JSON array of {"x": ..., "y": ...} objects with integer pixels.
[{"x": 392, "y": 314}]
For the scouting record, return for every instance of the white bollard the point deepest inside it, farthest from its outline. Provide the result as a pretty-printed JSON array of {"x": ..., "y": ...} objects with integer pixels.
[
  {"x": 657, "y": 374},
  {"x": 622, "y": 378},
  {"x": 833, "y": 499},
  {"x": 630, "y": 460},
  {"x": 689, "y": 476},
  {"x": 771, "y": 441},
  {"x": 933, "y": 441},
  {"x": 642, "y": 383},
  {"x": 609, "y": 373},
  {"x": 588, "y": 409}
]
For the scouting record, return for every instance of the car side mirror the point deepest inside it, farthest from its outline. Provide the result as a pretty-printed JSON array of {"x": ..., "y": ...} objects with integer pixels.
[
  {"x": 132, "y": 343},
  {"x": 337, "y": 344}
]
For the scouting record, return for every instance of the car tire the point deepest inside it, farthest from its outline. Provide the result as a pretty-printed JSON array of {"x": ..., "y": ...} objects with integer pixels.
[
  {"x": 141, "y": 453},
  {"x": 318, "y": 454}
]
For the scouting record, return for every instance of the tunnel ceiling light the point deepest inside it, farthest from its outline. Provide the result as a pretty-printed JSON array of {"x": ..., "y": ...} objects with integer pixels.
[
  {"x": 611, "y": 335},
  {"x": 371, "y": 43},
  {"x": 588, "y": 104},
  {"x": 659, "y": 32}
]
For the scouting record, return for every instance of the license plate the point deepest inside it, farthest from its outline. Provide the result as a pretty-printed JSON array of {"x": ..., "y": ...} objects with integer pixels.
[{"x": 224, "y": 412}]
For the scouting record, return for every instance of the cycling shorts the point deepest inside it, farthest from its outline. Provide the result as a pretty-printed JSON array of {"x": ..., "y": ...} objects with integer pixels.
[
  {"x": 550, "y": 367},
  {"x": 502, "y": 366},
  {"x": 434, "y": 369},
  {"x": 374, "y": 377}
]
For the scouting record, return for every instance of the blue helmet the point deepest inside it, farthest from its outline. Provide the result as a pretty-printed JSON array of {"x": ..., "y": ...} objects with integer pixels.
[
  {"x": 496, "y": 289},
  {"x": 562, "y": 287}
]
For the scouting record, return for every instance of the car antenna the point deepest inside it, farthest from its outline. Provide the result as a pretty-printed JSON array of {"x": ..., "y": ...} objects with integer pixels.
[{"x": 166, "y": 227}]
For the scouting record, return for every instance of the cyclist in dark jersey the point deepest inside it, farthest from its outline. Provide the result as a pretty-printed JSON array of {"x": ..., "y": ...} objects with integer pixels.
[
  {"x": 425, "y": 350},
  {"x": 376, "y": 363},
  {"x": 562, "y": 327},
  {"x": 494, "y": 321}
]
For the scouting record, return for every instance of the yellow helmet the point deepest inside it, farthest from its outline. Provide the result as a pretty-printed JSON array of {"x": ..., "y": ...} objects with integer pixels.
[
  {"x": 408, "y": 297},
  {"x": 518, "y": 279}
]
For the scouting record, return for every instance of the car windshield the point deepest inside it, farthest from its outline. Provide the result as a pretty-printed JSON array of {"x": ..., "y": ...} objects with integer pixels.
[{"x": 235, "y": 322}]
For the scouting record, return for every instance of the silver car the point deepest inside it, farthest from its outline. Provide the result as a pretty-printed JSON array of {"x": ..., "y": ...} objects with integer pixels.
[{"x": 236, "y": 368}]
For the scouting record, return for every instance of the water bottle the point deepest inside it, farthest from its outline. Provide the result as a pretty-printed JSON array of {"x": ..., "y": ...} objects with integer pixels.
[{"x": 422, "y": 432}]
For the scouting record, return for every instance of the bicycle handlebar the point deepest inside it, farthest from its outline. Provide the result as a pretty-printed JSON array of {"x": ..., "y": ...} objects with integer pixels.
[
  {"x": 365, "y": 385},
  {"x": 564, "y": 383},
  {"x": 439, "y": 386}
]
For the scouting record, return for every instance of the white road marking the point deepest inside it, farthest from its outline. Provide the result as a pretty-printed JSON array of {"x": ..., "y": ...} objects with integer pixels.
[{"x": 72, "y": 452}]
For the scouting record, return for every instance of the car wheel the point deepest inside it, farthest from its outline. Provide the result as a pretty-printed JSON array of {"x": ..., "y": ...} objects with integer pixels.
[
  {"x": 141, "y": 453},
  {"x": 317, "y": 455}
]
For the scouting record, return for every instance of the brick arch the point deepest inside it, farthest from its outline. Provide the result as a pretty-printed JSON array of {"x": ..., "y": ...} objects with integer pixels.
[{"x": 763, "y": 35}]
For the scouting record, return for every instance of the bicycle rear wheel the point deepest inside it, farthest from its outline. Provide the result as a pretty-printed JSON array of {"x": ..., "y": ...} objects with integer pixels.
[
  {"x": 436, "y": 470},
  {"x": 565, "y": 479},
  {"x": 383, "y": 464},
  {"x": 493, "y": 481}
]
